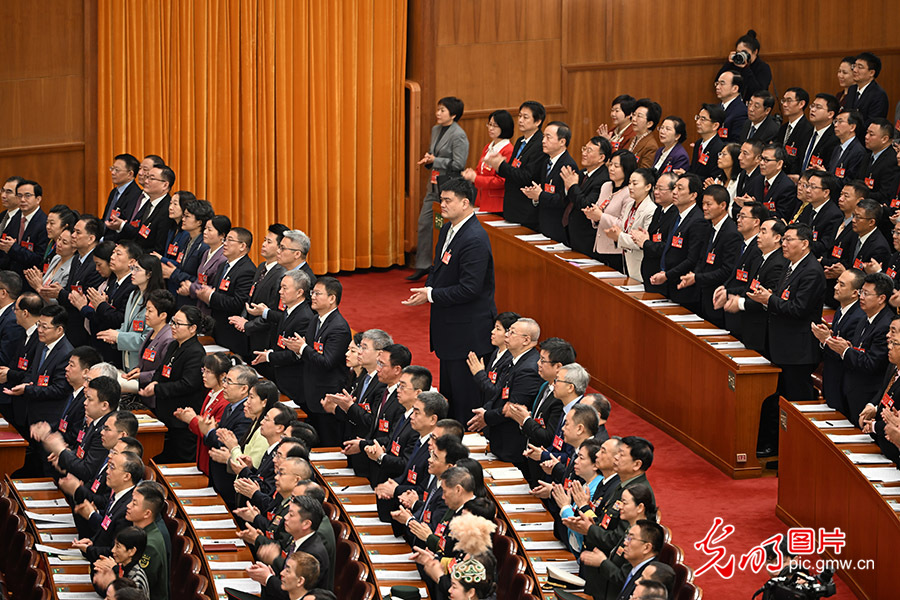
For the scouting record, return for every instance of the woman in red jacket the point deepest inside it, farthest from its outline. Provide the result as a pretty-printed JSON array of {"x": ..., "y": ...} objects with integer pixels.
[
  {"x": 486, "y": 180},
  {"x": 215, "y": 367}
]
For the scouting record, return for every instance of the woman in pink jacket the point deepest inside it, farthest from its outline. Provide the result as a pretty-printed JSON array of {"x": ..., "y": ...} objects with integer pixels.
[{"x": 611, "y": 207}]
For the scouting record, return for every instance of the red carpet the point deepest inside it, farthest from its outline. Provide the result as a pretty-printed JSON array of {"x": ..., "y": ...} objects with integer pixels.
[{"x": 690, "y": 491}]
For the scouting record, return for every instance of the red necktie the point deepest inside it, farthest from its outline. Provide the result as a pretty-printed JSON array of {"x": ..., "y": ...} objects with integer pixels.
[{"x": 765, "y": 189}]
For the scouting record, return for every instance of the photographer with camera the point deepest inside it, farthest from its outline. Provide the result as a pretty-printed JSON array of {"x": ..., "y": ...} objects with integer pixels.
[
  {"x": 745, "y": 60},
  {"x": 794, "y": 582}
]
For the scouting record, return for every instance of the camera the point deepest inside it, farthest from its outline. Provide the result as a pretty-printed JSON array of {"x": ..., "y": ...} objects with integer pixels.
[
  {"x": 798, "y": 585},
  {"x": 741, "y": 58}
]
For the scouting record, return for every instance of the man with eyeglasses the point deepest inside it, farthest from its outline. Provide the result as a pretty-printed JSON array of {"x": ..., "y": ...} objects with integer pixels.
[
  {"x": 25, "y": 239},
  {"x": 759, "y": 125},
  {"x": 848, "y": 157},
  {"x": 867, "y": 243},
  {"x": 291, "y": 255},
  {"x": 881, "y": 173},
  {"x": 824, "y": 215},
  {"x": 9, "y": 200},
  {"x": 822, "y": 111},
  {"x": 793, "y": 306},
  {"x": 749, "y": 258},
  {"x": 706, "y": 150},
  {"x": 583, "y": 189},
  {"x": 881, "y": 419},
  {"x": 147, "y": 224},
  {"x": 892, "y": 267},
  {"x": 775, "y": 189},
  {"x": 728, "y": 91},
  {"x": 549, "y": 195},
  {"x": 865, "y": 95},
  {"x": 653, "y": 239},
  {"x": 125, "y": 194},
  {"x": 796, "y": 130},
  {"x": 28, "y": 308}
]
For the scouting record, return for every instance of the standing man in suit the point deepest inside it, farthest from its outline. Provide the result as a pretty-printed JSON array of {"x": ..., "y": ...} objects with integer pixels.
[
  {"x": 759, "y": 125},
  {"x": 28, "y": 311},
  {"x": 749, "y": 258},
  {"x": 795, "y": 130},
  {"x": 728, "y": 91},
  {"x": 229, "y": 290},
  {"x": 869, "y": 244},
  {"x": 706, "y": 149},
  {"x": 125, "y": 193},
  {"x": 793, "y": 306},
  {"x": 865, "y": 95},
  {"x": 322, "y": 353},
  {"x": 582, "y": 190},
  {"x": 149, "y": 221},
  {"x": 881, "y": 173},
  {"x": 749, "y": 158},
  {"x": 460, "y": 289},
  {"x": 238, "y": 383},
  {"x": 550, "y": 195},
  {"x": 775, "y": 189},
  {"x": 653, "y": 241},
  {"x": 11, "y": 333},
  {"x": 25, "y": 238},
  {"x": 9, "y": 200},
  {"x": 849, "y": 156},
  {"x": 446, "y": 157},
  {"x": 817, "y": 154},
  {"x": 824, "y": 215},
  {"x": 524, "y": 168},
  {"x": 722, "y": 249},
  {"x": 834, "y": 261},
  {"x": 683, "y": 245}
]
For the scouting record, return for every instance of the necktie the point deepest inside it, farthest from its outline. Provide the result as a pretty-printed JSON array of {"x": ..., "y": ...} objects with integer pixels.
[
  {"x": 858, "y": 248},
  {"x": 365, "y": 385},
  {"x": 521, "y": 147},
  {"x": 662, "y": 259},
  {"x": 23, "y": 222},
  {"x": 809, "y": 150},
  {"x": 318, "y": 327},
  {"x": 539, "y": 401},
  {"x": 384, "y": 398},
  {"x": 836, "y": 320},
  {"x": 766, "y": 188},
  {"x": 752, "y": 132},
  {"x": 112, "y": 205},
  {"x": 549, "y": 168},
  {"x": 450, "y": 234},
  {"x": 225, "y": 271},
  {"x": 139, "y": 208},
  {"x": 4, "y": 221},
  {"x": 43, "y": 358},
  {"x": 787, "y": 133},
  {"x": 743, "y": 247},
  {"x": 787, "y": 275},
  {"x": 68, "y": 404}
]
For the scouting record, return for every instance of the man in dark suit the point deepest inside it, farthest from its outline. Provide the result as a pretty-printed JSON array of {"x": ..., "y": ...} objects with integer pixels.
[
  {"x": 525, "y": 167},
  {"x": 322, "y": 353},
  {"x": 295, "y": 320},
  {"x": 28, "y": 310},
  {"x": 71, "y": 421},
  {"x": 728, "y": 91},
  {"x": 238, "y": 382},
  {"x": 684, "y": 244},
  {"x": 796, "y": 130},
  {"x": 229, "y": 289},
  {"x": 126, "y": 193},
  {"x": 759, "y": 126},
  {"x": 548, "y": 192},
  {"x": 148, "y": 223},
  {"x": 460, "y": 289},
  {"x": 844, "y": 324},
  {"x": 825, "y": 216},
  {"x": 704, "y": 162},
  {"x": 617, "y": 580},
  {"x": 793, "y": 306},
  {"x": 723, "y": 244},
  {"x": 834, "y": 260},
  {"x": 775, "y": 189},
  {"x": 9, "y": 200},
  {"x": 749, "y": 158},
  {"x": 848, "y": 156},
  {"x": 865, "y": 95},
  {"x": 25, "y": 238},
  {"x": 749, "y": 258},
  {"x": 653, "y": 241},
  {"x": 582, "y": 190},
  {"x": 823, "y": 141},
  {"x": 881, "y": 173},
  {"x": 11, "y": 333},
  {"x": 293, "y": 250},
  {"x": 519, "y": 386},
  {"x": 868, "y": 244},
  {"x": 83, "y": 275},
  {"x": 259, "y": 481}
]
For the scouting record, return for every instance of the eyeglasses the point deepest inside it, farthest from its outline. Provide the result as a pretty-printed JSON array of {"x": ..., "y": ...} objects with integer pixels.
[
  {"x": 175, "y": 323},
  {"x": 25, "y": 196},
  {"x": 630, "y": 537},
  {"x": 720, "y": 83},
  {"x": 862, "y": 218},
  {"x": 562, "y": 381},
  {"x": 153, "y": 179},
  {"x": 116, "y": 170},
  {"x": 283, "y": 247},
  {"x": 788, "y": 100},
  {"x": 789, "y": 239},
  {"x": 815, "y": 187},
  {"x": 545, "y": 361},
  {"x": 46, "y": 326},
  {"x": 864, "y": 293},
  {"x": 318, "y": 293},
  {"x": 701, "y": 118},
  {"x": 511, "y": 333},
  {"x": 228, "y": 381},
  {"x": 768, "y": 160}
]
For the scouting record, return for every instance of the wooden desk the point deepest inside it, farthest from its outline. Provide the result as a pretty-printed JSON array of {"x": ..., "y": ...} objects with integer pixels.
[
  {"x": 818, "y": 486},
  {"x": 12, "y": 449},
  {"x": 151, "y": 434},
  {"x": 648, "y": 363}
]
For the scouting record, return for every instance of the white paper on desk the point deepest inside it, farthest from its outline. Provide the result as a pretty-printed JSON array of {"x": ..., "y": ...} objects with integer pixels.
[
  {"x": 320, "y": 456},
  {"x": 707, "y": 332},
  {"x": 638, "y": 287},
  {"x": 474, "y": 439},
  {"x": 832, "y": 423},
  {"x": 53, "y": 525},
  {"x": 849, "y": 438},
  {"x": 727, "y": 345},
  {"x": 34, "y": 486},
  {"x": 543, "y": 545},
  {"x": 504, "y": 473},
  {"x": 812, "y": 407},
  {"x": 533, "y": 237},
  {"x": 366, "y": 538},
  {"x": 207, "y": 541},
  {"x": 206, "y": 492},
  {"x": 63, "y": 561},
  {"x": 224, "y": 565},
  {"x": 383, "y": 575},
  {"x": 886, "y": 474},
  {"x": 583, "y": 262},
  {"x": 386, "y": 591},
  {"x": 78, "y": 596},
  {"x": 55, "y": 503},
  {"x": 510, "y": 490},
  {"x": 290, "y": 404},
  {"x": 180, "y": 470},
  {"x": 887, "y": 491},
  {"x": 866, "y": 458},
  {"x": 895, "y": 505},
  {"x": 751, "y": 360},
  {"x": 67, "y": 518},
  {"x": 213, "y": 524},
  {"x": 685, "y": 318},
  {"x": 56, "y": 538},
  {"x": 386, "y": 559},
  {"x": 555, "y": 248},
  {"x": 479, "y": 456},
  {"x": 211, "y": 348},
  {"x": 534, "y": 526},
  {"x": 4, "y": 423},
  {"x": 354, "y": 489},
  {"x": 520, "y": 508},
  {"x": 607, "y": 274},
  {"x": 72, "y": 578},
  {"x": 215, "y": 509},
  {"x": 367, "y": 521},
  {"x": 569, "y": 566},
  {"x": 659, "y": 303},
  {"x": 58, "y": 551},
  {"x": 147, "y": 424},
  {"x": 355, "y": 508},
  {"x": 337, "y": 472},
  {"x": 501, "y": 223},
  {"x": 242, "y": 585}
]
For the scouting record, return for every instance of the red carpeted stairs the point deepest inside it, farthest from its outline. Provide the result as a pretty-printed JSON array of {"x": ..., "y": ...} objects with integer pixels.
[{"x": 690, "y": 491}]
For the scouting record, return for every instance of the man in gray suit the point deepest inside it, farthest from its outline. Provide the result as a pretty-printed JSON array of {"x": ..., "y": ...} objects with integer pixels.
[{"x": 446, "y": 157}]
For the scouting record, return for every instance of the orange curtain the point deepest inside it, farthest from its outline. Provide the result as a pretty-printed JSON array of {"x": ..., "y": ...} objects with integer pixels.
[{"x": 273, "y": 110}]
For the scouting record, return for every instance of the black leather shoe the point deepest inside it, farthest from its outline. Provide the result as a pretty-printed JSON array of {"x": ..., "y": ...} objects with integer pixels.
[
  {"x": 766, "y": 452},
  {"x": 418, "y": 274}
]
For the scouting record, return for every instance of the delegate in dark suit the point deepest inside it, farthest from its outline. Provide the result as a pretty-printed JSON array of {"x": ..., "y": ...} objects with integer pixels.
[
  {"x": 854, "y": 256},
  {"x": 314, "y": 545},
  {"x": 520, "y": 386},
  {"x": 11, "y": 335},
  {"x": 738, "y": 282},
  {"x": 714, "y": 266},
  {"x": 795, "y": 144},
  {"x": 847, "y": 164},
  {"x": 703, "y": 161},
  {"x": 881, "y": 177},
  {"x": 264, "y": 290},
  {"x": 825, "y": 143},
  {"x": 287, "y": 365},
  {"x": 735, "y": 117},
  {"x": 122, "y": 203},
  {"x": 109, "y": 315},
  {"x": 581, "y": 195},
  {"x": 825, "y": 224},
  {"x": 553, "y": 203},
  {"x": 22, "y": 359},
  {"x": 524, "y": 168},
  {"x": 149, "y": 228},
  {"x": 864, "y": 361},
  {"x": 873, "y": 103},
  {"x": 765, "y": 132},
  {"x": 683, "y": 248},
  {"x": 659, "y": 230},
  {"x": 755, "y": 318},
  {"x": 83, "y": 275},
  {"x": 48, "y": 388},
  {"x": 844, "y": 324},
  {"x": 71, "y": 420},
  {"x": 104, "y": 538},
  {"x": 91, "y": 451},
  {"x": 186, "y": 269},
  {"x": 232, "y": 291},
  {"x": 324, "y": 370},
  {"x": 29, "y": 250},
  {"x": 781, "y": 196},
  {"x": 462, "y": 310},
  {"x": 234, "y": 420}
]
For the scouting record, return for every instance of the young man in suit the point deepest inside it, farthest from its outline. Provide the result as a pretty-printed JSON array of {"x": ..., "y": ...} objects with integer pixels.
[
  {"x": 822, "y": 110},
  {"x": 71, "y": 421},
  {"x": 460, "y": 290},
  {"x": 148, "y": 223},
  {"x": 261, "y": 478},
  {"x": 824, "y": 215},
  {"x": 28, "y": 308},
  {"x": 881, "y": 173},
  {"x": 548, "y": 193},
  {"x": 865, "y": 95},
  {"x": 654, "y": 239},
  {"x": 849, "y": 156},
  {"x": 833, "y": 260},
  {"x": 759, "y": 125},
  {"x": 749, "y": 159},
  {"x": 684, "y": 244},
  {"x": 582, "y": 190},
  {"x": 706, "y": 149},
  {"x": 793, "y": 306},
  {"x": 446, "y": 158},
  {"x": 82, "y": 276},
  {"x": 524, "y": 168},
  {"x": 869, "y": 243},
  {"x": 796, "y": 130},
  {"x": 749, "y": 258},
  {"x": 25, "y": 238},
  {"x": 125, "y": 194},
  {"x": 728, "y": 91},
  {"x": 11, "y": 333},
  {"x": 775, "y": 189}
]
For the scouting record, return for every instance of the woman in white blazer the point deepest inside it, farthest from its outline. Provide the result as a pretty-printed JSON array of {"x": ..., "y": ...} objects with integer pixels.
[{"x": 612, "y": 206}]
